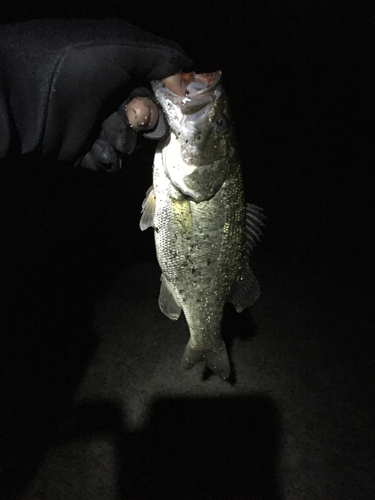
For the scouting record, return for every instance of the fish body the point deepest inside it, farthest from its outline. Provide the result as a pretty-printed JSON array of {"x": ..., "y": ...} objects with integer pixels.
[{"x": 198, "y": 211}]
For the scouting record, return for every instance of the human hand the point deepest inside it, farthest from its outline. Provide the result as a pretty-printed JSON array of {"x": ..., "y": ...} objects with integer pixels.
[{"x": 64, "y": 78}]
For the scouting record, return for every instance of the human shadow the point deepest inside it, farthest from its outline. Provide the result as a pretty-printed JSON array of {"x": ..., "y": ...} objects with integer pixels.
[
  {"x": 223, "y": 447},
  {"x": 204, "y": 448}
]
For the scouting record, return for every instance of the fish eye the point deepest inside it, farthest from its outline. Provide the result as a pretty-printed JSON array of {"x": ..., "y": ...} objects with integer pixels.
[{"x": 220, "y": 123}]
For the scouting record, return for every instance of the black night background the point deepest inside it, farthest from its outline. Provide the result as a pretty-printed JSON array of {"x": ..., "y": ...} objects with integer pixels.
[{"x": 93, "y": 402}]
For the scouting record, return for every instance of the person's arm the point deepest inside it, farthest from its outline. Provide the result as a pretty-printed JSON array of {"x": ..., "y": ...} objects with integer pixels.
[{"x": 63, "y": 81}]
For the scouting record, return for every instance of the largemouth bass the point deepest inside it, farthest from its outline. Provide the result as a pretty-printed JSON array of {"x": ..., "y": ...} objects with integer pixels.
[{"x": 204, "y": 231}]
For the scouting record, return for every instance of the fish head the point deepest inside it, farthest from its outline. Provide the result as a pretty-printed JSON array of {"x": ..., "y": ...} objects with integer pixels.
[{"x": 200, "y": 120}]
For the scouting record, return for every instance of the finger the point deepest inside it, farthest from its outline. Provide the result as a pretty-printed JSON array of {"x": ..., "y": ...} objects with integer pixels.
[{"x": 142, "y": 113}]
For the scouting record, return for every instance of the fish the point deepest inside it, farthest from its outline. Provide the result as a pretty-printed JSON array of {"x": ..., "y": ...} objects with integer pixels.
[{"x": 204, "y": 230}]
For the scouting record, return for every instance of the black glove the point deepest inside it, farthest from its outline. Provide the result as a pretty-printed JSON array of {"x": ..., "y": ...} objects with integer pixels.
[
  {"x": 118, "y": 137},
  {"x": 61, "y": 79}
]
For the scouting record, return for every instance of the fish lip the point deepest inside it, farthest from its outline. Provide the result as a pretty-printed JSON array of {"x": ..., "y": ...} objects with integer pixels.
[
  {"x": 188, "y": 103},
  {"x": 211, "y": 78}
]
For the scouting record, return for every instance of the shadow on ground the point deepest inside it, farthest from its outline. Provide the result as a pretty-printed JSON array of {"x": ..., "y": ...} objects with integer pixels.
[
  {"x": 204, "y": 448},
  {"x": 191, "y": 448}
]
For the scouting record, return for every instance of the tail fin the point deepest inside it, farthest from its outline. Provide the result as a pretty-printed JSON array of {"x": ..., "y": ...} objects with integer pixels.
[{"x": 215, "y": 358}]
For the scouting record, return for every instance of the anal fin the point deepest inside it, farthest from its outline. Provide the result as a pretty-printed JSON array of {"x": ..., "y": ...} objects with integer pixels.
[{"x": 247, "y": 290}]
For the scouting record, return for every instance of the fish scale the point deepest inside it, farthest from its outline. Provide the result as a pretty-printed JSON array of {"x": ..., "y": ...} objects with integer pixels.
[{"x": 198, "y": 213}]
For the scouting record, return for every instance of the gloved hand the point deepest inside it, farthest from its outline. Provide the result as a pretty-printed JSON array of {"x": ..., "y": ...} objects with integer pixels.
[{"x": 64, "y": 86}]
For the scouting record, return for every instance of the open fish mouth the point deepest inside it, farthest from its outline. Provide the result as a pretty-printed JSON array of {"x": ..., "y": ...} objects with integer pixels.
[
  {"x": 197, "y": 84},
  {"x": 191, "y": 83},
  {"x": 192, "y": 93}
]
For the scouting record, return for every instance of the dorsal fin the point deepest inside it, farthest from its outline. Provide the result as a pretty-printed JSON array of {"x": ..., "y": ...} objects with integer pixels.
[
  {"x": 247, "y": 289},
  {"x": 253, "y": 222}
]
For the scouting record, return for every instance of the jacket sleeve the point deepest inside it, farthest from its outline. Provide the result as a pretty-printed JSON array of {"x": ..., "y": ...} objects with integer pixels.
[{"x": 60, "y": 79}]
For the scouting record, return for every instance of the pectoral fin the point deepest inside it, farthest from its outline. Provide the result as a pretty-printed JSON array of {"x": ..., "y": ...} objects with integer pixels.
[
  {"x": 167, "y": 302},
  {"x": 148, "y": 210}
]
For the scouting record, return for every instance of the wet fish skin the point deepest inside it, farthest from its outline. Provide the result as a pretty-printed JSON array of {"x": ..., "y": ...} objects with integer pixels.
[
  {"x": 198, "y": 211},
  {"x": 199, "y": 249}
]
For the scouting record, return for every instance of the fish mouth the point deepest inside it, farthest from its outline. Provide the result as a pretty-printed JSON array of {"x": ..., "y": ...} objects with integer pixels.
[
  {"x": 198, "y": 84},
  {"x": 190, "y": 92},
  {"x": 190, "y": 84},
  {"x": 187, "y": 100}
]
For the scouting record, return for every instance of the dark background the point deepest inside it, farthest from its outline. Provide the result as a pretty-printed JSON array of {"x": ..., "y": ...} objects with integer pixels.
[{"x": 301, "y": 81}]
